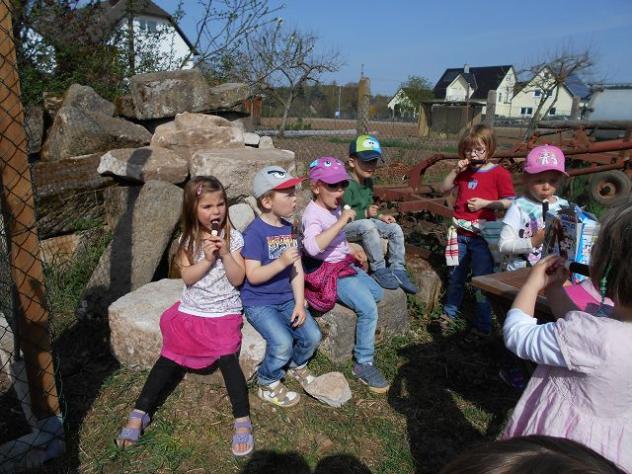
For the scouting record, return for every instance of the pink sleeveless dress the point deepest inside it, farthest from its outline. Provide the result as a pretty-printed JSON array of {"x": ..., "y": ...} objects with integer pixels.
[{"x": 591, "y": 400}]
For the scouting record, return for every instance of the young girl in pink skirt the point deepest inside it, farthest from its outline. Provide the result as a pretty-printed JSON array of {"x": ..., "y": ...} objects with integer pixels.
[
  {"x": 203, "y": 328},
  {"x": 581, "y": 389}
]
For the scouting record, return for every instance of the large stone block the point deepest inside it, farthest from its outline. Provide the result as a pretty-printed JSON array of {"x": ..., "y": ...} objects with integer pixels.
[
  {"x": 428, "y": 281},
  {"x": 78, "y": 132},
  {"x": 34, "y": 127},
  {"x": 236, "y": 168},
  {"x": 189, "y": 133},
  {"x": 86, "y": 99},
  {"x": 138, "y": 244},
  {"x": 145, "y": 164},
  {"x": 135, "y": 331},
  {"x": 228, "y": 95},
  {"x": 164, "y": 94},
  {"x": 338, "y": 325}
]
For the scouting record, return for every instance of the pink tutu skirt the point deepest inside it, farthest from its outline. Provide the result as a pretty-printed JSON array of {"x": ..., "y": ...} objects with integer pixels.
[{"x": 196, "y": 342}]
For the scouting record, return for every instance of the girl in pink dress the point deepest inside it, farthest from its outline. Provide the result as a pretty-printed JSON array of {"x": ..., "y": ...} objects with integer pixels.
[
  {"x": 204, "y": 328},
  {"x": 582, "y": 388}
]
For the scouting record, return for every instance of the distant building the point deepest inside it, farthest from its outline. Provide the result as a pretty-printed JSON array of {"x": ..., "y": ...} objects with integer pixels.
[{"x": 401, "y": 106}]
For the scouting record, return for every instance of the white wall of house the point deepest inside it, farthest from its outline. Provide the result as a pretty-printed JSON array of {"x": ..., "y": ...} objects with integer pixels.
[
  {"x": 458, "y": 90},
  {"x": 504, "y": 94},
  {"x": 525, "y": 103},
  {"x": 399, "y": 99}
]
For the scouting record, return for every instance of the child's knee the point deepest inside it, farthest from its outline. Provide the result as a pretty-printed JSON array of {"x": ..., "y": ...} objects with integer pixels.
[{"x": 281, "y": 348}]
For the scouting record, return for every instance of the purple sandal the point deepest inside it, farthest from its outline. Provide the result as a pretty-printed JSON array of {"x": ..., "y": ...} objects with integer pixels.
[
  {"x": 246, "y": 438},
  {"x": 133, "y": 434}
]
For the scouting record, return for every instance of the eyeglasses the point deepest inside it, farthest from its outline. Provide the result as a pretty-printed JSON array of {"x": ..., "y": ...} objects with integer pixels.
[
  {"x": 476, "y": 151},
  {"x": 336, "y": 186}
]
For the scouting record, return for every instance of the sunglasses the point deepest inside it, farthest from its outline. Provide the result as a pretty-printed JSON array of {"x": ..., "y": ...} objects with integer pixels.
[{"x": 336, "y": 186}]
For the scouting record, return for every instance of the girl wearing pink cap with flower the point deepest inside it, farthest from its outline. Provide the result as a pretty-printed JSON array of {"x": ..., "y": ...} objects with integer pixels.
[{"x": 523, "y": 232}]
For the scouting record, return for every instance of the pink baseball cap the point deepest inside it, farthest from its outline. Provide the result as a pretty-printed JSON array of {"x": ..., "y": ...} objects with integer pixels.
[
  {"x": 328, "y": 169},
  {"x": 545, "y": 158}
]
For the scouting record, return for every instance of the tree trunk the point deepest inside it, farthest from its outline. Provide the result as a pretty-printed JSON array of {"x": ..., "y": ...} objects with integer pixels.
[
  {"x": 286, "y": 111},
  {"x": 131, "y": 55}
]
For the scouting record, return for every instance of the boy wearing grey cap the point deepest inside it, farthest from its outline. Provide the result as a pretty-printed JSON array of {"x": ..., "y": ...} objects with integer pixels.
[{"x": 273, "y": 293}]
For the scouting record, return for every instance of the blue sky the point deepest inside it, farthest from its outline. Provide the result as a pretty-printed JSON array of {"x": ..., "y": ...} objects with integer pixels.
[{"x": 396, "y": 38}]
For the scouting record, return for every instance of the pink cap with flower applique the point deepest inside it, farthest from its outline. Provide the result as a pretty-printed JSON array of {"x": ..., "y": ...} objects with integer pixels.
[{"x": 545, "y": 158}]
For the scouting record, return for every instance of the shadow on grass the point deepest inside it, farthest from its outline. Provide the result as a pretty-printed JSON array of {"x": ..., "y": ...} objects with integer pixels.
[
  {"x": 272, "y": 462},
  {"x": 450, "y": 393}
]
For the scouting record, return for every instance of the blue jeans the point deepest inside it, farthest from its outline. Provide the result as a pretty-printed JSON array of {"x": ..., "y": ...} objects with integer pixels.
[
  {"x": 285, "y": 345},
  {"x": 475, "y": 252},
  {"x": 370, "y": 231},
  {"x": 361, "y": 293}
]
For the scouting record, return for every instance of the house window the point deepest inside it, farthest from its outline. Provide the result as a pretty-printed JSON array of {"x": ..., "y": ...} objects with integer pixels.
[
  {"x": 526, "y": 110},
  {"x": 552, "y": 111},
  {"x": 537, "y": 93},
  {"x": 500, "y": 97},
  {"x": 152, "y": 26}
]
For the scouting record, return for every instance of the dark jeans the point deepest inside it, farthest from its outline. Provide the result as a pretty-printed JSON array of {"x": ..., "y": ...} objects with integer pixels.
[
  {"x": 474, "y": 252},
  {"x": 165, "y": 376}
]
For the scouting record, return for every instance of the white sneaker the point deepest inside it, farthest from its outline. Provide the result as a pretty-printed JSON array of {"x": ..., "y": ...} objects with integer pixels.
[
  {"x": 302, "y": 375},
  {"x": 278, "y": 394}
]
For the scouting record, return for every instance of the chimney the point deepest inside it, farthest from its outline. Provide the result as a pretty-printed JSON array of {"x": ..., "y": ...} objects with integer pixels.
[{"x": 466, "y": 68}]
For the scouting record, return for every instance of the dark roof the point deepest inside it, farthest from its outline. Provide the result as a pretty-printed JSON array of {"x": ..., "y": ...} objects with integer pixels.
[
  {"x": 114, "y": 11},
  {"x": 577, "y": 87},
  {"x": 481, "y": 79}
]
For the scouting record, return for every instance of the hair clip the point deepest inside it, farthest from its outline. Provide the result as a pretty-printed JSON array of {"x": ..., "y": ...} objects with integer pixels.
[{"x": 198, "y": 190}]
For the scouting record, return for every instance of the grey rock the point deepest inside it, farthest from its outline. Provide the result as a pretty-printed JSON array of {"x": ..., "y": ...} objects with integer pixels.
[
  {"x": 241, "y": 214},
  {"x": 428, "y": 281},
  {"x": 135, "y": 337},
  {"x": 331, "y": 388},
  {"x": 165, "y": 94},
  {"x": 85, "y": 98},
  {"x": 236, "y": 168},
  {"x": 77, "y": 132},
  {"x": 266, "y": 142},
  {"x": 138, "y": 244},
  {"x": 251, "y": 139},
  {"x": 338, "y": 326},
  {"x": 144, "y": 164},
  {"x": 52, "y": 103},
  {"x": 190, "y": 132},
  {"x": 227, "y": 96},
  {"x": 34, "y": 127},
  {"x": 119, "y": 201}
]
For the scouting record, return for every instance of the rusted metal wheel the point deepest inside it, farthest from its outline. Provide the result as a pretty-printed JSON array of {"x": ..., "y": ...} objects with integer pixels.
[{"x": 610, "y": 187}]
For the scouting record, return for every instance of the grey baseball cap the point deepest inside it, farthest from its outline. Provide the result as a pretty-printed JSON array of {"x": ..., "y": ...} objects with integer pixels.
[{"x": 272, "y": 177}]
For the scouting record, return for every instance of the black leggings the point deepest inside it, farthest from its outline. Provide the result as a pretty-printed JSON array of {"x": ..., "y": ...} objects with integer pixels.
[{"x": 165, "y": 376}]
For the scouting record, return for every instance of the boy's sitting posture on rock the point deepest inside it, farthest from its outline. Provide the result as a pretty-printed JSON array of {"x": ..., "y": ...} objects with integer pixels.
[{"x": 370, "y": 225}]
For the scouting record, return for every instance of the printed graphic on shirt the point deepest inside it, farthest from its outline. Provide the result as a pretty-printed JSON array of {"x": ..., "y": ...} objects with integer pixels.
[
  {"x": 277, "y": 244},
  {"x": 472, "y": 184}
]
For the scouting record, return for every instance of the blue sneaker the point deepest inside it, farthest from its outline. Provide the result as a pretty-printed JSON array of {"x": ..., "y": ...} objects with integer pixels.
[
  {"x": 371, "y": 376},
  {"x": 404, "y": 282},
  {"x": 386, "y": 279}
]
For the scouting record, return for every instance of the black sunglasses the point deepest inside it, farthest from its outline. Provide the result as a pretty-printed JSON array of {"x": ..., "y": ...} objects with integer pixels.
[{"x": 338, "y": 185}]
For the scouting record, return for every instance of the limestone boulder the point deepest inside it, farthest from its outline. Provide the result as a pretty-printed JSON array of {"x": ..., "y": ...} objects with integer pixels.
[
  {"x": 428, "y": 280},
  {"x": 266, "y": 142},
  {"x": 236, "y": 168},
  {"x": 251, "y": 139},
  {"x": 119, "y": 201},
  {"x": 164, "y": 94},
  {"x": 34, "y": 127},
  {"x": 85, "y": 98},
  {"x": 77, "y": 132},
  {"x": 241, "y": 214},
  {"x": 138, "y": 244},
  {"x": 338, "y": 325},
  {"x": 227, "y": 96},
  {"x": 145, "y": 164},
  {"x": 190, "y": 132},
  {"x": 135, "y": 338},
  {"x": 331, "y": 388}
]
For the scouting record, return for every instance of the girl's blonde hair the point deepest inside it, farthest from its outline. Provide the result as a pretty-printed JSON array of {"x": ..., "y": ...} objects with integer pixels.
[
  {"x": 611, "y": 261},
  {"x": 476, "y": 135},
  {"x": 193, "y": 192}
]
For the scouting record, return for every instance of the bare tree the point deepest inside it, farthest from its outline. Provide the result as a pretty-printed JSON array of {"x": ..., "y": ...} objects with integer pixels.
[
  {"x": 547, "y": 77},
  {"x": 280, "y": 62}
]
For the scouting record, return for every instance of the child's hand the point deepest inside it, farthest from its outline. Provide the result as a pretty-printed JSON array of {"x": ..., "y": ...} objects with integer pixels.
[
  {"x": 290, "y": 256},
  {"x": 372, "y": 210},
  {"x": 347, "y": 215},
  {"x": 358, "y": 253},
  {"x": 548, "y": 272},
  {"x": 220, "y": 245},
  {"x": 209, "y": 249},
  {"x": 387, "y": 219},
  {"x": 462, "y": 165},
  {"x": 538, "y": 238},
  {"x": 298, "y": 316},
  {"x": 476, "y": 204}
]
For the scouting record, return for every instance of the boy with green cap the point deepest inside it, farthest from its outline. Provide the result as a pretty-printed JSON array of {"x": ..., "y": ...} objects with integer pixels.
[{"x": 370, "y": 226}]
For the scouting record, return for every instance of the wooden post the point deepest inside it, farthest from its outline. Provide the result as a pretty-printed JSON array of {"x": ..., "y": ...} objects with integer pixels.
[
  {"x": 575, "y": 108},
  {"x": 18, "y": 207},
  {"x": 423, "y": 124},
  {"x": 491, "y": 109},
  {"x": 364, "y": 95}
]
